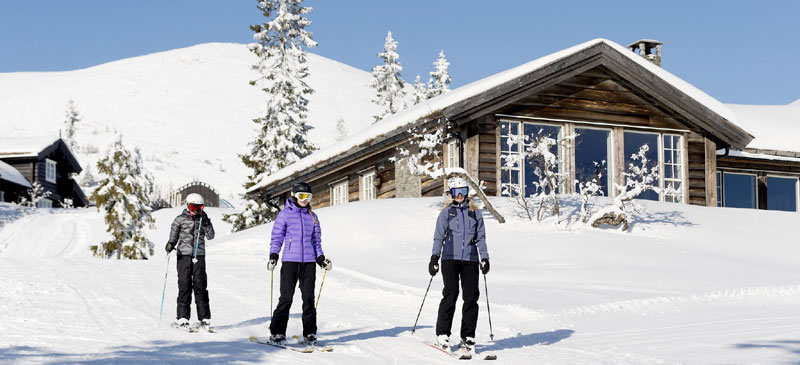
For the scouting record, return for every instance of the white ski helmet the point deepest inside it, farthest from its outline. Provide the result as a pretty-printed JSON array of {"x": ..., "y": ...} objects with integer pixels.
[
  {"x": 195, "y": 198},
  {"x": 457, "y": 182}
]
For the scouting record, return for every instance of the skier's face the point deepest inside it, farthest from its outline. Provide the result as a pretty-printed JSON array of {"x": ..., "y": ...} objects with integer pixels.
[{"x": 459, "y": 198}]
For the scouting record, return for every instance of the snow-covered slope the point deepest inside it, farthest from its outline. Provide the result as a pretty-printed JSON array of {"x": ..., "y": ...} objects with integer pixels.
[
  {"x": 688, "y": 284},
  {"x": 189, "y": 110}
]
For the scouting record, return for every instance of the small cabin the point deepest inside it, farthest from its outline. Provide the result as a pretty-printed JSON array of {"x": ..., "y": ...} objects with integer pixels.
[
  {"x": 47, "y": 161},
  {"x": 178, "y": 197}
]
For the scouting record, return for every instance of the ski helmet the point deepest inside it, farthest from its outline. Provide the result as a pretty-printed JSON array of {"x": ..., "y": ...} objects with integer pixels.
[
  {"x": 458, "y": 185},
  {"x": 301, "y": 187},
  {"x": 195, "y": 198}
]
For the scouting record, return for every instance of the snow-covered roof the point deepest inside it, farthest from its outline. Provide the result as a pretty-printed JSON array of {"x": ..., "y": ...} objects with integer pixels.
[
  {"x": 9, "y": 173},
  {"x": 775, "y": 127},
  {"x": 25, "y": 146},
  {"x": 396, "y": 123},
  {"x": 759, "y": 156}
]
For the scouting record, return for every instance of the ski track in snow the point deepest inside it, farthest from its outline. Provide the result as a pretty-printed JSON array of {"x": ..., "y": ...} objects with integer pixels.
[{"x": 59, "y": 305}]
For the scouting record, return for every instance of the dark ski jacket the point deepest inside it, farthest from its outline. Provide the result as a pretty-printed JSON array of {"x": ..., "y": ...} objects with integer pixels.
[
  {"x": 460, "y": 234},
  {"x": 184, "y": 232}
]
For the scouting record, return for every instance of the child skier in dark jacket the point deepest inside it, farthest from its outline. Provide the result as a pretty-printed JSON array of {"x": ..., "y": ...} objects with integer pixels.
[{"x": 188, "y": 236}]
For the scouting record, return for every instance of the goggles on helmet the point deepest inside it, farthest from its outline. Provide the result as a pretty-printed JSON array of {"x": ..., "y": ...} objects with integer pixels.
[
  {"x": 302, "y": 195},
  {"x": 463, "y": 191},
  {"x": 195, "y": 207}
]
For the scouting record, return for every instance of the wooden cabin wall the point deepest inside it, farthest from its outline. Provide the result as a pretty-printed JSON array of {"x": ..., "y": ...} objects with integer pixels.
[
  {"x": 697, "y": 169},
  {"x": 384, "y": 169}
]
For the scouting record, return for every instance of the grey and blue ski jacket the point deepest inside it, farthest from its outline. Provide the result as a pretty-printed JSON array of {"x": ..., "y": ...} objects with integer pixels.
[
  {"x": 460, "y": 234},
  {"x": 183, "y": 234}
]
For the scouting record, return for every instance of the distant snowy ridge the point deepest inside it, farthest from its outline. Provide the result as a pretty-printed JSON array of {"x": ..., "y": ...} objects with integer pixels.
[{"x": 189, "y": 110}]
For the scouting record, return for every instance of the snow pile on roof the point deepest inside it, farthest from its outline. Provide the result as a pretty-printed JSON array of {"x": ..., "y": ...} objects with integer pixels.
[
  {"x": 775, "y": 127},
  {"x": 414, "y": 113},
  {"x": 9, "y": 173},
  {"x": 25, "y": 146}
]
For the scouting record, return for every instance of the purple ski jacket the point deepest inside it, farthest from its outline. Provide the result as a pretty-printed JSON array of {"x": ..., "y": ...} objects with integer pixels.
[{"x": 299, "y": 234}]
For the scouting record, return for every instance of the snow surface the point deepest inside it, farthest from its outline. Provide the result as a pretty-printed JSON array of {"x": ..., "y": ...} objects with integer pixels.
[
  {"x": 775, "y": 127},
  {"x": 190, "y": 110},
  {"x": 394, "y": 123},
  {"x": 9, "y": 173},
  {"x": 687, "y": 284}
]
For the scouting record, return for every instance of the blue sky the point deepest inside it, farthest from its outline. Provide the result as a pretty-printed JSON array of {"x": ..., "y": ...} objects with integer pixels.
[{"x": 738, "y": 52}]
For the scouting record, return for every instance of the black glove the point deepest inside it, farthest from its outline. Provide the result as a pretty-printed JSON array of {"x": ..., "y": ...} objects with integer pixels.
[
  {"x": 169, "y": 247},
  {"x": 324, "y": 263},
  {"x": 273, "y": 261},
  {"x": 485, "y": 266},
  {"x": 433, "y": 266},
  {"x": 205, "y": 219}
]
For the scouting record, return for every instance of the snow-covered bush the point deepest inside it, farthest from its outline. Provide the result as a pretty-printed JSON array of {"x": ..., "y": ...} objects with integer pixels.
[
  {"x": 123, "y": 195},
  {"x": 34, "y": 194},
  {"x": 589, "y": 190}
]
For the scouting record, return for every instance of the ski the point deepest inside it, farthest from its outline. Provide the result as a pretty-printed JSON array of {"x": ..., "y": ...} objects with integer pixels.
[
  {"x": 190, "y": 329},
  {"x": 305, "y": 350},
  {"x": 315, "y": 345},
  {"x": 207, "y": 329},
  {"x": 460, "y": 354}
]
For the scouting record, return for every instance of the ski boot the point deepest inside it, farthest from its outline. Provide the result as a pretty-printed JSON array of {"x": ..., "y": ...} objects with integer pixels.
[
  {"x": 310, "y": 340},
  {"x": 443, "y": 341},
  {"x": 278, "y": 339},
  {"x": 468, "y": 344}
]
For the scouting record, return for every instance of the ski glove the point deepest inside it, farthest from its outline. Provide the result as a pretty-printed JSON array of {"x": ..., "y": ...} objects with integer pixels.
[
  {"x": 324, "y": 263},
  {"x": 273, "y": 261},
  {"x": 169, "y": 247},
  {"x": 206, "y": 221},
  {"x": 433, "y": 266},
  {"x": 485, "y": 266}
]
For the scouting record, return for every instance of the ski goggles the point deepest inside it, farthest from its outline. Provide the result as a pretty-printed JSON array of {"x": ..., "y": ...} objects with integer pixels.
[
  {"x": 195, "y": 207},
  {"x": 463, "y": 191},
  {"x": 302, "y": 196}
]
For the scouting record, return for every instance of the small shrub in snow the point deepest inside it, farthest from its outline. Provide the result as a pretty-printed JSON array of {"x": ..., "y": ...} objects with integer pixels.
[
  {"x": 589, "y": 190},
  {"x": 34, "y": 195}
]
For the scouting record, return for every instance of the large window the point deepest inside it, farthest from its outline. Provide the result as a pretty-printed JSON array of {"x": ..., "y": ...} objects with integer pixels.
[
  {"x": 44, "y": 203},
  {"x": 633, "y": 142},
  {"x": 368, "y": 186},
  {"x": 738, "y": 190},
  {"x": 339, "y": 193},
  {"x": 782, "y": 193},
  {"x": 592, "y": 156},
  {"x": 519, "y": 177},
  {"x": 50, "y": 170}
]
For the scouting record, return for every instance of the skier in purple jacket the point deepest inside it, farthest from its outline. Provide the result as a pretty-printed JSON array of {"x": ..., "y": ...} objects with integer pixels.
[{"x": 297, "y": 230}]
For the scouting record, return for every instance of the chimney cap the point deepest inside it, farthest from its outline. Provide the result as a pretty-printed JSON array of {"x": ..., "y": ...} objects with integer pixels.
[{"x": 647, "y": 42}]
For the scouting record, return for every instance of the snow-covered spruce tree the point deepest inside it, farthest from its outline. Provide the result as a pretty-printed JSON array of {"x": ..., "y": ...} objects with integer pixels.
[
  {"x": 34, "y": 194},
  {"x": 123, "y": 196},
  {"x": 439, "y": 82},
  {"x": 545, "y": 162},
  {"x": 590, "y": 189},
  {"x": 70, "y": 125},
  {"x": 341, "y": 130},
  {"x": 283, "y": 134},
  {"x": 386, "y": 81},
  {"x": 638, "y": 179},
  {"x": 419, "y": 91}
]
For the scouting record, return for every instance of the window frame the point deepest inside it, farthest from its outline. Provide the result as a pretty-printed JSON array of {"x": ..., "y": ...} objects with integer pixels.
[
  {"x": 335, "y": 187},
  {"x": 50, "y": 166},
  {"x": 609, "y": 155},
  {"x": 755, "y": 187},
  {"x": 49, "y": 203},
  {"x": 453, "y": 153},
  {"x": 796, "y": 189},
  {"x": 367, "y": 190}
]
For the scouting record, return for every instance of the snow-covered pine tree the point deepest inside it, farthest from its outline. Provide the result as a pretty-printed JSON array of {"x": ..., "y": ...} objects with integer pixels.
[
  {"x": 341, "y": 130},
  {"x": 386, "y": 81},
  {"x": 123, "y": 195},
  {"x": 419, "y": 91},
  {"x": 71, "y": 121},
  {"x": 439, "y": 82},
  {"x": 34, "y": 194},
  {"x": 283, "y": 134}
]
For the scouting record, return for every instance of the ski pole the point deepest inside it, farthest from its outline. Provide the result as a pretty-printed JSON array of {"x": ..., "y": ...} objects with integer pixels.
[
  {"x": 197, "y": 240},
  {"x": 486, "y": 289},
  {"x": 320, "y": 288},
  {"x": 163, "y": 291},
  {"x": 420, "y": 306},
  {"x": 271, "y": 276}
]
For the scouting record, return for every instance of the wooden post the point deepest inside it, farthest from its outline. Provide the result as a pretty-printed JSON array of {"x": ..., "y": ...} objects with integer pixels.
[
  {"x": 618, "y": 158},
  {"x": 711, "y": 173}
]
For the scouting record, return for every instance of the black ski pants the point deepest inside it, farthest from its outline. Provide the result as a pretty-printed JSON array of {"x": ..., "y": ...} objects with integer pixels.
[
  {"x": 192, "y": 277},
  {"x": 291, "y": 273},
  {"x": 467, "y": 272}
]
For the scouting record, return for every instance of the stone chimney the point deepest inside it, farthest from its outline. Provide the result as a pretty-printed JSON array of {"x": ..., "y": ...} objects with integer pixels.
[{"x": 649, "y": 49}]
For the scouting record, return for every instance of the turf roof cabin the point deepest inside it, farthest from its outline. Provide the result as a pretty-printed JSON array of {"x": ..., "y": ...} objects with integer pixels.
[
  {"x": 615, "y": 100},
  {"x": 47, "y": 161}
]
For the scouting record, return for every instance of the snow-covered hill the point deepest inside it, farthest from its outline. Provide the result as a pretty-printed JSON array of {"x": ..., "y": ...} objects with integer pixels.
[
  {"x": 687, "y": 284},
  {"x": 189, "y": 110}
]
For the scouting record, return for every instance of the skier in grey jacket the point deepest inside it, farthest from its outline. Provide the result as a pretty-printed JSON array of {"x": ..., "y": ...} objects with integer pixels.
[
  {"x": 188, "y": 236},
  {"x": 460, "y": 241}
]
